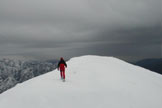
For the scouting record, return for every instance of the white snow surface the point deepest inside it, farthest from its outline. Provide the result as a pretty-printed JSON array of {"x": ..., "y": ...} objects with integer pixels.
[{"x": 91, "y": 82}]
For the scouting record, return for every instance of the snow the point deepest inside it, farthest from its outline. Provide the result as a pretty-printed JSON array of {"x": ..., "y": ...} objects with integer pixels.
[{"x": 91, "y": 82}]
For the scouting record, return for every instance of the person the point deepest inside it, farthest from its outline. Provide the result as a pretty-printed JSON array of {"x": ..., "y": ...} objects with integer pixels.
[{"x": 61, "y": 66}]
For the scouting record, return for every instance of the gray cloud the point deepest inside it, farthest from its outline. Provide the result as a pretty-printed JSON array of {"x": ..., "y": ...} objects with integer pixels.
[{"x": 54, "y": 28}]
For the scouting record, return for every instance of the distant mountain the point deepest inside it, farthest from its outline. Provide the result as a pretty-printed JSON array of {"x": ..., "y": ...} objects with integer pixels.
[
  {"x": 151, "y": 64},
  {"x": 53, "y": 61},
  {"x": 17, "y": 71}
]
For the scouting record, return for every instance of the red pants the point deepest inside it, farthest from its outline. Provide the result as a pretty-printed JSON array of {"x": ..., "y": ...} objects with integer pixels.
[{"x": 62, "y": 73}]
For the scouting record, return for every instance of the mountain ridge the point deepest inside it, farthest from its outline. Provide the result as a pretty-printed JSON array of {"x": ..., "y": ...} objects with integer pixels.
[{"x": 91, "y": 81}]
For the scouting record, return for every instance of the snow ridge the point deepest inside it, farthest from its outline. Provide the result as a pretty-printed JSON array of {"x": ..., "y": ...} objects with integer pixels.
[{"x": 91, "y": 82}]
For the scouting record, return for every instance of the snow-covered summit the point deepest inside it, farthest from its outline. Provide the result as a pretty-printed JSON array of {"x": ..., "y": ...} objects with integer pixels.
[{"x": 91, "y": 82}]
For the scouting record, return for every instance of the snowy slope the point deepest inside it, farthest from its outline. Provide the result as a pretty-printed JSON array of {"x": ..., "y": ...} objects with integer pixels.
[{"x": 91, "y": 82}]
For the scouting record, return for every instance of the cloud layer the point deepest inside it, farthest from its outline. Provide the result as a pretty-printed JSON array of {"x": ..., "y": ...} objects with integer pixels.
[{"x": 69, "y": 28}]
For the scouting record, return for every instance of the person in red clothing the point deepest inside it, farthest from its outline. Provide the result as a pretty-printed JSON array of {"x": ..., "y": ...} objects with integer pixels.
[{"x": 61, "y": 66}]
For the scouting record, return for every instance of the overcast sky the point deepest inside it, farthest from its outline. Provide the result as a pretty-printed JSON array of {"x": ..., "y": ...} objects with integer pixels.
[{"x": 54, "y": 28}]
